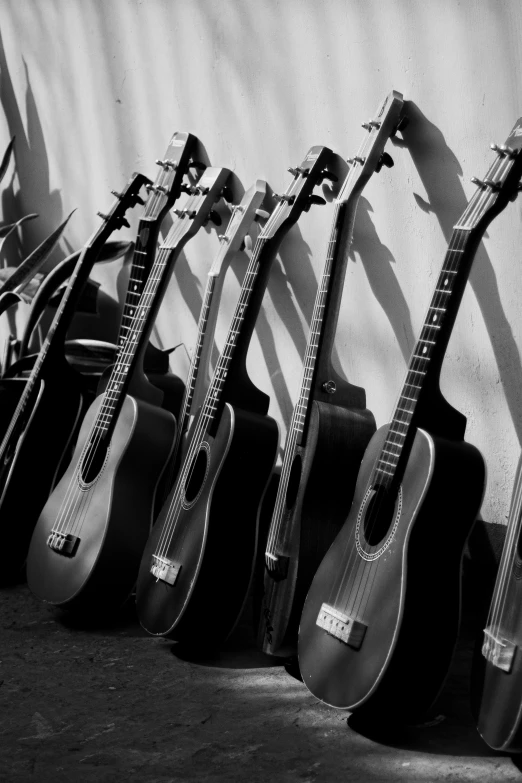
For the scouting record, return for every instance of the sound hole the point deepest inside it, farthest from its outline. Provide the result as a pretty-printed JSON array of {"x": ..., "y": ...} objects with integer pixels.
[
  {"x": 379, "y": 515},
  {"x": 293, "y": 481},
  {"x": 93, "y": 462},
  {"x": 197, "y": 474}
]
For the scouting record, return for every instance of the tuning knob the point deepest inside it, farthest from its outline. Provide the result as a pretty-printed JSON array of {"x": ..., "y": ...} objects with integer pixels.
[
  {"x": 179, "y": 212},
  {"x": 117, "y": 194},
  {"x": 329, "y": 387},
  {"x": 190, "y": 189},
  {"x": 247, "y": 243},
  {"x": 371, "y": 124},
  {"x": 478, "y": 182},
  {"x": 384, "y": 160},
  {"x": 223, "y": 238},
  {"x": 103, "y": 216},
  {"x": 262, "y": 214},
  {"x": 356, "y": 159},
  {"x": 161, "y": 189},
  {"x": 313, "y": 199},
  {"x": 213, "y": 217},
  {"x": 293, "y": 171}
]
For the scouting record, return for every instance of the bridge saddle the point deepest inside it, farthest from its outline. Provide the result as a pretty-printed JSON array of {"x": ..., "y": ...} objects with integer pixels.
[
  {"x": 63, "y": 543},
  {"x": 165, "y": 569},
  {"x": 347, "y": 629}
]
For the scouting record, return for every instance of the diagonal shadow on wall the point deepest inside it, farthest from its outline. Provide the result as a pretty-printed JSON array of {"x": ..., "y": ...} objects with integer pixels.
[
  {"x": 32, "y": 167},
  {"x": 439, "y": 171}
]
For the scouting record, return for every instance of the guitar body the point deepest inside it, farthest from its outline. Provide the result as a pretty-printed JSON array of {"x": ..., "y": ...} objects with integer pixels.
[
  {"x": 112, "y": 518},
  {"x": 409, "y": 600},
  {"x": 31, "y": 468},
  {"x": 318, "y": 499},
  {"x": 215, "y": 536},
  {"x": 496, "y": 695}
]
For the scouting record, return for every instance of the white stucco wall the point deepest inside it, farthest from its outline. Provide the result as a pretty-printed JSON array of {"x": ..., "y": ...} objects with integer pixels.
[{"x": 95, "y": 88}]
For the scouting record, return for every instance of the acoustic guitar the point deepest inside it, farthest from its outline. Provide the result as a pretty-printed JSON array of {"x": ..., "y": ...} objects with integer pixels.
[
  {"x": 231, "y": 242},
  {"x": 381, "y": 619},
  {"x": 48, "y": 413},
  {"x": 330, "y": 426},
  {"x": 197, "y": 565},
  {"x": 87, "y": 543}
]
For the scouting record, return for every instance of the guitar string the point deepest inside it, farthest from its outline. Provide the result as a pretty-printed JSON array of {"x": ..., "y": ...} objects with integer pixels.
[
  {"x": 62, "y": 518},
  {"x": 175, "y": 502},
  {"x": 194, "y": 206},
  {"x": 363, "y": 585},
  {"x": 277, "y": 540},
  {"x": 87, "y": 456},
  {"x": 416, "y": 363},
  {"x": 479, "y": 203},
  {"x": 498, "y": 603}
]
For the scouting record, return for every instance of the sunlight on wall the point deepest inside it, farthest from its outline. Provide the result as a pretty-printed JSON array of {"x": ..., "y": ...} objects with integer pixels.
[{"x": 94, "y": 90}]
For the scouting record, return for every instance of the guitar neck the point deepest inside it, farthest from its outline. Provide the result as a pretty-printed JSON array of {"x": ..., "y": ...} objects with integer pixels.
[
  {"x": 317, "y": 368},
  {"x": 229, "y": 375},
  {"x": 130, "y": 355},
  {"x": 422, "y": 379},
  {"x": 142, "y": 262}
]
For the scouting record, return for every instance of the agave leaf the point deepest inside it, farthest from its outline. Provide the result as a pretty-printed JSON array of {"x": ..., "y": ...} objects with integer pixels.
[
  {"x": 4, "y": 165},
  {"x": 8, "y": 229},
  {"x": 28, "y": 268}
]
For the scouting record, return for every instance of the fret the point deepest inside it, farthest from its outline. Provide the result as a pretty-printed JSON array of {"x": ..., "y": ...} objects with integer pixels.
[
  {"x": 443, "y": 290},
  {"x": 406, "y": 410},
  {"x": 382, "y": 470},
  {"x": 401, "y": 434},
  {"x": 413, "y": 384},
  {"x": 404, "y": 397},
  {"x": 391, "y": 452},
  {"x": 387, "y": 462},
  {"x": 440, "y": 309},
  {"x": 425, "y": 358},
  {"x": 418, "y": 372},
  {"x": 430, "y": 342},
  {"x": 141, "y": 252}
]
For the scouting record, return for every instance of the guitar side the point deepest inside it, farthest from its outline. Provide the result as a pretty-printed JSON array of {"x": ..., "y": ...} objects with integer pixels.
[
  {"x": 326, "y": 470},
  {"x": 496, "y": 693},
  {"x": 411, "y": 613},
  {"x": 37, "y": 462},
  {"x": 216, "y": 535},
  {"x": 102, "y": 570}
]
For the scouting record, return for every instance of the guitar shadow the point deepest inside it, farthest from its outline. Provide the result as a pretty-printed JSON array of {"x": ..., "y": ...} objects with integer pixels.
[
  {"x": 377, "y": 261},
  {"x": 440, "y": 173}
]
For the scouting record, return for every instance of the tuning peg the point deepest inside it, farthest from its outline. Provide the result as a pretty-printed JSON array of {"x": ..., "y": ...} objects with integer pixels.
[
  {"x": 384, "y": 160},
  {"x": 103, "y": 216},
  {"x": 491, "y": 184},
  {"x": 284, "y": 197},
  {"x": 166, "y": 164},
  {"x": 293, "y": 172},
  {"x": 478, "y": 182},
  {"x": 509, "y": 151},
  {"x": 161, "y": 189},
  {"x": 328, "y": 175},
  {"x": 117, "y": 194},
  {"x": 246, "y": 244},
  {"x": 313, "y": 199},
  {"x": 226, "y": 193},
  {"x": 190, "y": 189},
  {"x": 196, "y": 164},
  {"x": 371, "y": 124},
  {"x": 356, "y": 159},
  {"x": 213, "y": 217},
  {"x": 179, "y": 212},
  {"x": 202, "y": 190},
  {"x": 223, "y": 238},
  {"x": 262, "y": 214}
]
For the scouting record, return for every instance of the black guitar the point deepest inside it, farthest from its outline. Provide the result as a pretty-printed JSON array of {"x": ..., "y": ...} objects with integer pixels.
[
  {"x": 197, "y": 565},
  {"x": 48, "y": 414},
  {"x": 330, "y": 426}
]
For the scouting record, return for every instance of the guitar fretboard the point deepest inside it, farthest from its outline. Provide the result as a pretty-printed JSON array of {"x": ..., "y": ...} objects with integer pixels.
[
  {"x": 301, "y": 409},
  {"x": 420, "y": 370},
  {"x": 141, "y": 265},
  {"x": 213, "y": 396}
]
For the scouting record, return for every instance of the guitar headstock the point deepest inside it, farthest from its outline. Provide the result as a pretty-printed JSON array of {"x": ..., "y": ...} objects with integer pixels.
[
  {"x": 371, "y": 156},
  {"x": 198, "y": 208},
  {"x": 500, "y": 185},
  {"x": 299, "y": 195},
  {"x": 240, "y": 221},
  {"x": 114, "y": 219},
  {"x": 174, "y": 165}
]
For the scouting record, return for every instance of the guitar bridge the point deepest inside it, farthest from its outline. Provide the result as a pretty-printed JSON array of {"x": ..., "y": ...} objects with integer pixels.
[
  {"x": 63, "y": 543},
  {"x": 499, "y": 652},
  {"x": 164, "y": 569},
  {"x": 347, "y": 629},
  {"x": 276, "y": 565}
]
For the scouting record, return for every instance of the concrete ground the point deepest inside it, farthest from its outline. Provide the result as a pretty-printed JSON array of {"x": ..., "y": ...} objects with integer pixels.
[{"x": 110, "y": 704}]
